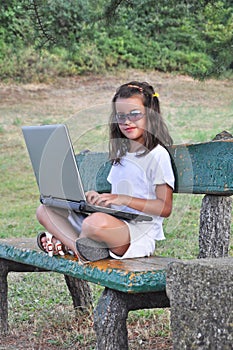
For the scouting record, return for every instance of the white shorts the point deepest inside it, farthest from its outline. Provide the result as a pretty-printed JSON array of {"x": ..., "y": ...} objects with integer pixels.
[{"x": 141, "y": 241}]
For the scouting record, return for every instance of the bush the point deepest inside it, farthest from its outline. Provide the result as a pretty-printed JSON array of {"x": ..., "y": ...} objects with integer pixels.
[
  {"x": 193, "y": 38},
  {"x": 27, "y": 65}
]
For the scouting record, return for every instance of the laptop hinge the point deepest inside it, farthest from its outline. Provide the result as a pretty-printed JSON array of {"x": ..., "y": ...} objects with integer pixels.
[{"x": 63, "y": 204}]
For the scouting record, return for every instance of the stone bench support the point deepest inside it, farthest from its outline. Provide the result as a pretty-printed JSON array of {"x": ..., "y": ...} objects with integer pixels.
[{"x": 201, "y": 298}]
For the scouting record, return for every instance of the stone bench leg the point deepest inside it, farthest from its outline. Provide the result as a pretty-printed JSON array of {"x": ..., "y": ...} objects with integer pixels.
[
  {"x": 110, "y": 318},
  {"x": 80, "y": 292},
  {"x": 201, "y": 304},
  {"x": 3, "y": 298},
  {"x": 111, "y": 314}
]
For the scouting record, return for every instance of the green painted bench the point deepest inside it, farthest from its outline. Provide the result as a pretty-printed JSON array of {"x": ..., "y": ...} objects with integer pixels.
[{"x": 204, "y": 168}]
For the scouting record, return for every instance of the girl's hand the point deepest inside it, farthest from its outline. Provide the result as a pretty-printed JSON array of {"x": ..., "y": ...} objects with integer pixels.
[
  {"x": 92, "y": 197},
  {"x": 106, "y": 199},
  {"x": 161, "y": 206}
]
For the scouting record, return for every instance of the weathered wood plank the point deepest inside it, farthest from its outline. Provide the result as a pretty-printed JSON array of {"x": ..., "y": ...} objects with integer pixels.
[
  {"x": 204, "y": 168},
  {"x": 94, "y": 168},
  {"x": 132, "y": 275},
  {"x": 199, "y": 168}
]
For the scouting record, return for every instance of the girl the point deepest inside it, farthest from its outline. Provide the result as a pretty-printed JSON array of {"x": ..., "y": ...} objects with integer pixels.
[{"x": 141, "y": 180}]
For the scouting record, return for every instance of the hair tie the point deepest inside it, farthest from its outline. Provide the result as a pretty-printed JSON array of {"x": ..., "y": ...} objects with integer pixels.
[
  {"x": 135, "y": 87},
  {"x": 156, "y": 95}
]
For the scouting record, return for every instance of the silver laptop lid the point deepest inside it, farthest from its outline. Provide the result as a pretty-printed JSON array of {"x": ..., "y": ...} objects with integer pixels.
[{"x": 53, "y": 161}]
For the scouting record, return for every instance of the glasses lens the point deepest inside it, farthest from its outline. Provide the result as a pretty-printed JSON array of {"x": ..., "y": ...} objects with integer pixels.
[
  {"x": 133, "y": 116},
  {"x": 121, "y": 118}
]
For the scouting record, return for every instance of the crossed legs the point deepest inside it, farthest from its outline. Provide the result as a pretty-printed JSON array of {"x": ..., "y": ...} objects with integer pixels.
[{"x": 97, "y": 226}]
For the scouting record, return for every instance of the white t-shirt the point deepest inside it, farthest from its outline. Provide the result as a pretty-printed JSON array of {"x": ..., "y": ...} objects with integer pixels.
[{"x": 138, "y": 177}]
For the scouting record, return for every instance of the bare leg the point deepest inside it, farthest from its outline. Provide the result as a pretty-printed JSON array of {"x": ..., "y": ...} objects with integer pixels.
[
  {"x": 56, "y": 222},
  {"x": 106, "y": 228},
  {"x": 98, "y": 226}
]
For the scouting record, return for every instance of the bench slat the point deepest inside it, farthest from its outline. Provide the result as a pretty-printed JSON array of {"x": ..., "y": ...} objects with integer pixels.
[
  {"x": 131, "y": 276},
  {"x": 203, "y": 168}
]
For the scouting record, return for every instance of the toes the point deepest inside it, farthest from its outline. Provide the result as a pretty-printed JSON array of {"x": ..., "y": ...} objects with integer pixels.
[{"x": 43, "y": 240}]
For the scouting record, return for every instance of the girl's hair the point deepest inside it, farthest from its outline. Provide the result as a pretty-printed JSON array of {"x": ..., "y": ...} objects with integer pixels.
[{"x": 156, "y": 131}]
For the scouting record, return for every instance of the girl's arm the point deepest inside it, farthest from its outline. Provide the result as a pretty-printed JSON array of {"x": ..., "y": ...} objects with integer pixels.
[{"x": 161, "y": 206}]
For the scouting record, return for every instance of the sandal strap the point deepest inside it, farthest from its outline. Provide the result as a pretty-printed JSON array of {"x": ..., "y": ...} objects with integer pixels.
[
  {"x": 58, "y": 248},
  {"x": 52, "y": 248},
  {"x": 50, "y": 245}
]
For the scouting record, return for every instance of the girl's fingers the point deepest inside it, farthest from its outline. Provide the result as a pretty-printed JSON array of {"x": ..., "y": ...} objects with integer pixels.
[
  {"x": 92, "y": 196},
  {"x": 107, "y": 199},
  {"x": 104, "y": 199}
]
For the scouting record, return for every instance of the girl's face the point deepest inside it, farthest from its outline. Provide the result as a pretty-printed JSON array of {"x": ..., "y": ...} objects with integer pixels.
[{"x": 131, "y": 118}]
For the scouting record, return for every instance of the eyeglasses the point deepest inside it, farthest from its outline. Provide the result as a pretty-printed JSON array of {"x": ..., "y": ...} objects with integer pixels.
[{"x": 133, "y": 116}]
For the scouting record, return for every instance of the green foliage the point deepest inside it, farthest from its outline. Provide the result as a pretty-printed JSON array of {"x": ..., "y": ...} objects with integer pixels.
[
  {"x": 27, "y": 64},
  {"x": 74, "y": 37},
  {"x": 15, "y": 23},
  {"x": 219, "y": 35},
  {"x": 60, "y": 21}
]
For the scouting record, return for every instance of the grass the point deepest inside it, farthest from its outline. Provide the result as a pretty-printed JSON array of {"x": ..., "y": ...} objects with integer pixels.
[{"x": 41, "y": 314}]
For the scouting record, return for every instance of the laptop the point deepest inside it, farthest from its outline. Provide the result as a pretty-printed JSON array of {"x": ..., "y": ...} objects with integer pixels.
[{"x": 57, "y": 174}]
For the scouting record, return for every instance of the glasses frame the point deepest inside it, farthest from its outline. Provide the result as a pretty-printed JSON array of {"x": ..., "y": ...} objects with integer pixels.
[{"x": 132, "y": 117}]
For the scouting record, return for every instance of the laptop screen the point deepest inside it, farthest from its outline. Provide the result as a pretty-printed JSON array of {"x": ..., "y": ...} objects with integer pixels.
[{"x": 53, "y": 161}]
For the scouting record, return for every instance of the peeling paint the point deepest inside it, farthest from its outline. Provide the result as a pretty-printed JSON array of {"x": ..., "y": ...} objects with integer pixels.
[{"x": 132, "y": 275}]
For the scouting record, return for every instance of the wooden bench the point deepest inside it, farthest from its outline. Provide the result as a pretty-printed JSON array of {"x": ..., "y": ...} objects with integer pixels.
[{"x": 204, "y": 168}]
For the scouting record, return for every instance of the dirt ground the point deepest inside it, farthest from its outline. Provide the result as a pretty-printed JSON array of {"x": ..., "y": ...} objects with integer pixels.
[{"x": 66, "y": 97}]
